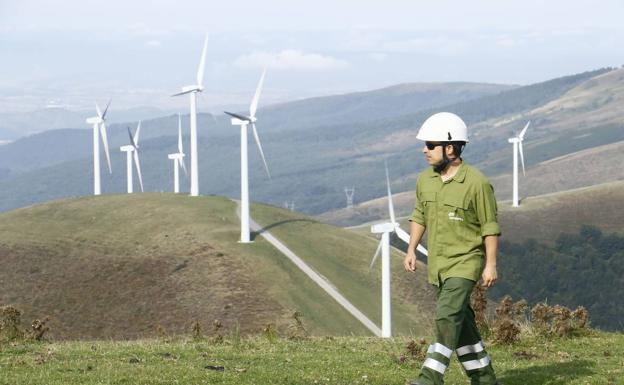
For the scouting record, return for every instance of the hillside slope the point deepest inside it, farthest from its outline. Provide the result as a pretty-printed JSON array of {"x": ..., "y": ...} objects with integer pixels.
[
  {"x": 315, "y": 147},
  {"x": 541, "y": 217},
  {"x": 55, "y": 144},
  {"x": 117, "y": 266}
]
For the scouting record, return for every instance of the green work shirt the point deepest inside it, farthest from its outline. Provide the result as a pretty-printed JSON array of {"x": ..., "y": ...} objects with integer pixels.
[{"x": 457, "y": 214}]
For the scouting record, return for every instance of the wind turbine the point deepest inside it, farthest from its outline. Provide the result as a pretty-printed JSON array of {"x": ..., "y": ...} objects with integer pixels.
[
  {"x": 244, "y": 122},
  {"x": 517, "y": 146},
  {"x": 178, "y": 159},
  {"x": 99, "y": 129},
  {"x": 384, "y": 246},
  {"x": 132, "y": 151},
  {"x": 192, "y": 90}
]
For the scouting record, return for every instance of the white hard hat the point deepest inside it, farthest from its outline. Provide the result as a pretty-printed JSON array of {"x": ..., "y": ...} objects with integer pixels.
[{"x": 443, "y": 127}]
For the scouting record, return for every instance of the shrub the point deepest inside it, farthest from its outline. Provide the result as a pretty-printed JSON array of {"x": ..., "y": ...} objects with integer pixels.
[
  {"x": 506, "y": 327},
  {"x": 558, "y": 320},
  {"x": 10, "y": 319}
]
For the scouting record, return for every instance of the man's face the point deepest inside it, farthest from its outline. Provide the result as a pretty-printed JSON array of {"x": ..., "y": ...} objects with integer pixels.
[{"x": 433, "y": 152}]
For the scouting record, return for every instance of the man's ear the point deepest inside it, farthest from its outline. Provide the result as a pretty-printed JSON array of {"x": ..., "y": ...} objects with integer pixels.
[{"x": 449, "y": 151}]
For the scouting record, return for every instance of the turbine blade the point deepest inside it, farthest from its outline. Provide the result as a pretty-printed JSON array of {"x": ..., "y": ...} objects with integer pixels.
[
  {"x": 237, "y": 116},
  {"x": 97, "y": 109},
  {"x": 255, "y": 132},
  {"x": 137, "y": 133},
  {"x": 183, "y": 92},
  {"x": 375, "y": 256},
  {"x": 181, "y": 162},
  {"x": 138, "y": 167},
  {"x": 390, "y": 204},
  {"x": 402, "y": 234},
  {"x": 180, "y": 134},
  {"x": 521, "y": 136},
  {"x": 105, "y": 141},
  {"x": 131, "y": 138},
  {"x": 521, "y": 156},
  {"x": 106, "y": 109},
  {"x": 202, "y": 63},
  {"x": 254, "y": 102}
]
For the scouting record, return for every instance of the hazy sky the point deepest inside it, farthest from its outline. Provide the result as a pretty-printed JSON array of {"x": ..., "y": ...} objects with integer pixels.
[{"x": 140, "y": 52}]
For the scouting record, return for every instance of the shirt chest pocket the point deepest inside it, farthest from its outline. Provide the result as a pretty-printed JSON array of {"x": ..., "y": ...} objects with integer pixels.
[{"x": 458, "y": 214}]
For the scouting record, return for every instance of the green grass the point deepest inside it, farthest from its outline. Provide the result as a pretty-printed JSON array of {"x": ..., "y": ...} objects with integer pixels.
[
  {"x": 143, "y": 260},
  {"x": 596, "y": 358},
  {"x": 344, "y": 258}
]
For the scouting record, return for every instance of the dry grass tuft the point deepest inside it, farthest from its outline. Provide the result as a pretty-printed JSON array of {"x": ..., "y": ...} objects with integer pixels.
[
  {"x": 10, "y": 319},
  {"x": 39, "y": 328},
  {"x": 478, "y": 302},
  {"x": 506, "y": 327},
  {"x": 217, "y": 333},
  {"x": 559, "y": 320},
  {"x": 270, "y": 332},
  {"x": 296, "y": 330},
  {"x": 10, "y": 326}
]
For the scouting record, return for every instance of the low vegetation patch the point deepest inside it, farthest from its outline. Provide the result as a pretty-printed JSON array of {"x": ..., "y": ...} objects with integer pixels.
[{"x": 11, "y": 329}]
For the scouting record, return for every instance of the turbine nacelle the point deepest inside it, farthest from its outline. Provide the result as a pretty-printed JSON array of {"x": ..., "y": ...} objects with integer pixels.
[
  {"x": 189, "y": 89},
  {"x": 127, "y": 148},
  {"x": 176, "y": 156},
  {"x": 387, "y": 227},
  {"x": 514, "y": 140},
  {"x": 239, "y": 120},
  {"x": 95, "y": 120}
]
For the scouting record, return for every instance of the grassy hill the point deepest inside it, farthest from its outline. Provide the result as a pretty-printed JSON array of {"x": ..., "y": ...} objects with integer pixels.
[
  {"x": 116, "y": 266},
  {"x": 595, "y": 358},
  {"x": 563, "y": 248},
  {"x": 544, "y": 217}
]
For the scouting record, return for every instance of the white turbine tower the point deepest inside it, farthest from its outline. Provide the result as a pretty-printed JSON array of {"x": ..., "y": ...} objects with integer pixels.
[
  {"x": 99, "y": 129},
  {"x": 517, "y": 146},
  {"x": 132, "y": 152},
  {"x": 384, "y": 246},
  {"x": 244, "y": 122},
  {"x": 192, "y": 90},
  {"x": 178, "y": 159}
]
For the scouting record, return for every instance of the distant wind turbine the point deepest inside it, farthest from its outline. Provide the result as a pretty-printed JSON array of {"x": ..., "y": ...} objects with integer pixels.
[
  {"x": 384, "y": 246},
  {"x": 193, "y": 90},
  {"x": 99, "y": 129},
  {"x": 244, "y": 122},
  {"x": 178, "y": 159},
  {"x": 132, "y": 152},
  {"x": 517, "y": 146}
]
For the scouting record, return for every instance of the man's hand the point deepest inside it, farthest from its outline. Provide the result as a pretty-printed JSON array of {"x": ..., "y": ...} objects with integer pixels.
[
  {"x": 489, "y": 276},
  {"x": 410, "y": 261}
]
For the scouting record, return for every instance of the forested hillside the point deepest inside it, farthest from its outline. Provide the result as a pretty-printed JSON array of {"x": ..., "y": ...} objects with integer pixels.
[{"x": 586, "y": 268}]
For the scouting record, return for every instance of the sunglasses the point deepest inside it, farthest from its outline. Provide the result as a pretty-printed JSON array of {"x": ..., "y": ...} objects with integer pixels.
[{"x": 431, "y": 145}]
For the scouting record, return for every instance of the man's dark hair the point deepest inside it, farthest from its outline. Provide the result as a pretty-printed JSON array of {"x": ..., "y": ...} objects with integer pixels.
[{"x": 458, "y": 147}]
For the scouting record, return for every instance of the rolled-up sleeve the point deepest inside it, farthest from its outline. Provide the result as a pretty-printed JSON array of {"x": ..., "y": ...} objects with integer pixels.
[
  {"x": 418, "y": 214},
  {"x": 486, "y": 209}
]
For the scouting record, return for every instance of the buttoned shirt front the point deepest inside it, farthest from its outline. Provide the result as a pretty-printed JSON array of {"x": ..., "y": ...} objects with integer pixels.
[{"x": 457, "y": 214}]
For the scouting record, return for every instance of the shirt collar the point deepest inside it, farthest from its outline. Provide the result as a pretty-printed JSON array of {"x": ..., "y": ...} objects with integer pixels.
[{"x": 460, "y": 175}]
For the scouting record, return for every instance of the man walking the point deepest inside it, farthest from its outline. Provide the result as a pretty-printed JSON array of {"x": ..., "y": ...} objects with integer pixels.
[{"x": 455, "y": 204}]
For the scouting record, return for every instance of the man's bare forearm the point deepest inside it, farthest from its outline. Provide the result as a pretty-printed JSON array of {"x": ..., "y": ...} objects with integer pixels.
[
  {"x": 491, "y": 247},
  {"x": 416, "y": 232}
]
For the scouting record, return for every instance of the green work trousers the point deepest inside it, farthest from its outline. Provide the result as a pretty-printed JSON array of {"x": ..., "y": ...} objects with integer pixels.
[{"x": 456, "y": 331}]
